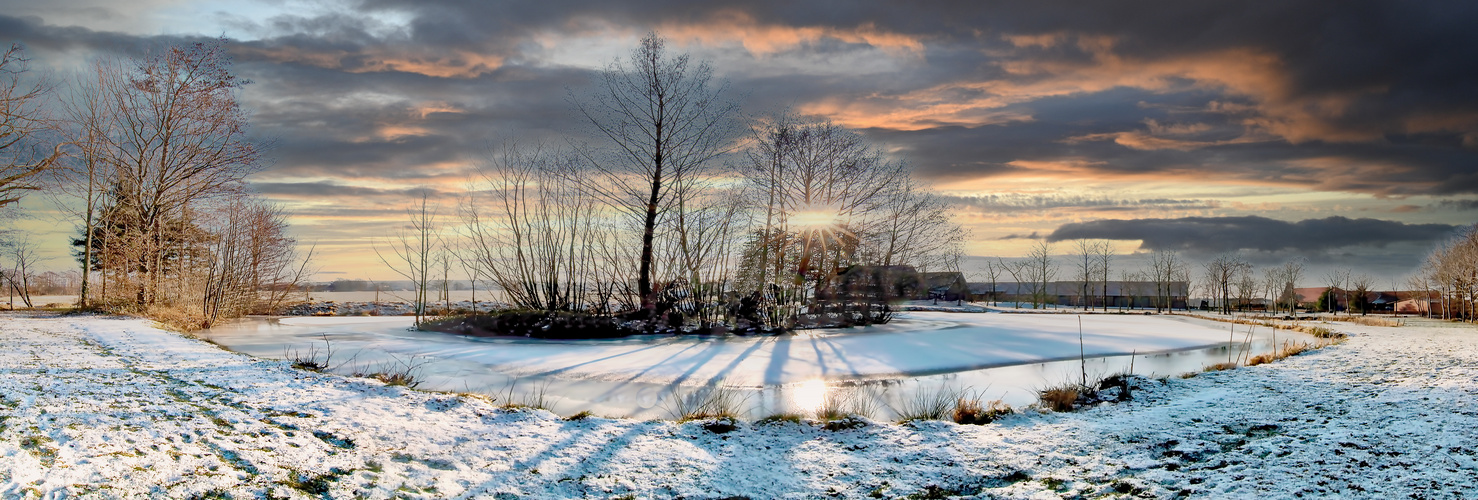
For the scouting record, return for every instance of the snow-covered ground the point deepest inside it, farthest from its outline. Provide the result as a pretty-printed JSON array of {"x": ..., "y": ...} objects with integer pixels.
[{"x": 113, "y": 407}]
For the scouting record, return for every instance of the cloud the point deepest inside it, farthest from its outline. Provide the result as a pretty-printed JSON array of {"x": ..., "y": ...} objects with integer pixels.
[
  {"x": 333, "y": 190},
  {"x": 1457, "y": 205},
  {"x": 1014, "y": 236},
  {"x": 1028, "y": 202},
  {"x": 1209, "y": 235}
]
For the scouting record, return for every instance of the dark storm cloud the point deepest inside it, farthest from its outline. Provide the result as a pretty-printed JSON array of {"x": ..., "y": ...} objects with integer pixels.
[{"x": 1209, "y": 235}]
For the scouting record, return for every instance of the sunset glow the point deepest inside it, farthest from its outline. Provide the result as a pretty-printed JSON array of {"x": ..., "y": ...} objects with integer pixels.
[{"x": 1029, "y": 120}]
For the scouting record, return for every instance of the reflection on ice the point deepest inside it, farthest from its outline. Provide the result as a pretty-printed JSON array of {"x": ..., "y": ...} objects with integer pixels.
[{"x": 807, "y": 396}]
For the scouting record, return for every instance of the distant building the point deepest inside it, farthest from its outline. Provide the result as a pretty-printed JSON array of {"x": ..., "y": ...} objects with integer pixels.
[
  {"x": 1415, "y": 303},
  {"x": 1120, "y": 294},
  {"x": 875, "y": 283},
  {"x": 943, "y": 286},
  {"x": 897, "y": 283},
  {"x": 1308, "y": 298}
]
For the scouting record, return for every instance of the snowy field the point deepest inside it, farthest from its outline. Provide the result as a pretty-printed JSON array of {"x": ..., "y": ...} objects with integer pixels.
[{"x": 98, "y": 407}]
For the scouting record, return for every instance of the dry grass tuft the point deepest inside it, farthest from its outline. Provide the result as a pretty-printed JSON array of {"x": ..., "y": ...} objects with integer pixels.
[
  {"x": 969, "y": 410},
  {"x": 932, "y": 404},
  {"x": 779, "y": 418},
  {"x": 704, "y": 403},
  {"x": 1362, "y": 320},
  {"x": 1318, "y": 332},
  {"x": 1219, "y": 367},
  {"x": 538, "y": 398},
  {"x": 1260, "y": 359},
  {"x": 173, "y": 318},
  {"x": 1059, "y": 398},
  {"x": 1294, "y": 349}
]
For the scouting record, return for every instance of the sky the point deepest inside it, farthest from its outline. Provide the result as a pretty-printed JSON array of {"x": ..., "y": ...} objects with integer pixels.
[{"x": 1344, "y": 133}]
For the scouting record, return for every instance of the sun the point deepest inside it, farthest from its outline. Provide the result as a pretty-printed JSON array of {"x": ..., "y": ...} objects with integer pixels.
[{"x": 813, "y": 220}]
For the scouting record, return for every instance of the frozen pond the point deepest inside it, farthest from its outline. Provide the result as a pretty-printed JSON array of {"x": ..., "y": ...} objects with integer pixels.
[{"x": 999, "y": 356}]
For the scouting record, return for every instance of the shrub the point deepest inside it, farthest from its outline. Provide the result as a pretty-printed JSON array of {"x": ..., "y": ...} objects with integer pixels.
[
  {"x": 313, "y": 360},
  {"x": 534, "y": 324}
]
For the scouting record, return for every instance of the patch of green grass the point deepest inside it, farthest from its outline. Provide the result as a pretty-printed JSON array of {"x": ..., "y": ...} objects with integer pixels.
[
  {"x": 933, "y": 492},
  {"x": 38, "y": 447},
  {"x": 780, "y": 418},
  {"x": 313, "y": 485},
  {"x": 336, "y": 441},
  {"x": 213, "y": 494}
]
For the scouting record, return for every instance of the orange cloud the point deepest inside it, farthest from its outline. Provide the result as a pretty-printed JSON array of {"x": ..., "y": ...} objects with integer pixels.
[
  {"x": 731, "y": 25},
  {"x": 1161, "y": 136},
  {"x": 439, "y": 63},
  {"x": 436, "y": 107},
  {"x": 1276, "y": 110}
]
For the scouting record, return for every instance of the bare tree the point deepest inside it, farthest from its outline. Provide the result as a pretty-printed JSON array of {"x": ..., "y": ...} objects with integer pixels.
[
  {"x": 1092, "y": 259},
  {"x": 78, "y": 181},
  {"x": 1337, "y": 279},
  {"x": 1166, "y": 270},
  {"x": 23, "y": 122},
  {"x": 1452, "y": 271},
  {"x": 1132, "y": 286},
  {"x": 913, "y": 227},
  {"x": 1085, "y": 258},
  {"x": 172, "y": 134},
  {"x": 1247, "y": 287},
  {"x": 664, "y": 122},
  {"x": 1289, "y": 276},
  {"x": 1221, "y": 274},
  {"x": 537, "y": 238},
  {"x": 23, "y": 260},
  {"x": 834, "y": 200},
  {"x": 1360, "y": 284},
  {"x": 413, "y": 250},
  {"x": 1104, "y": 260},
  {"x": 1041, "y": 270},
  {"x": 993, "y": 270},
  {"x": 249, "y": 253}
]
